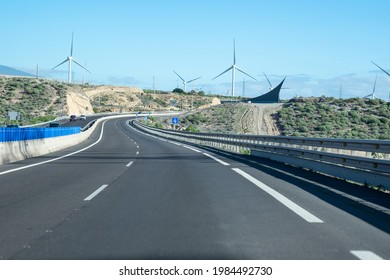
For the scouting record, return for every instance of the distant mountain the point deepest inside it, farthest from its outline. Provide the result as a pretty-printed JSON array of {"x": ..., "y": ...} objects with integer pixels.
[{"x": 5, "y": 70}]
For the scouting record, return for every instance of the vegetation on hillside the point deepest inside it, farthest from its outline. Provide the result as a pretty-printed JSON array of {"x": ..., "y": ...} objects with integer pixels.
[
  {"x": 335, "y": 118},
  {"x": 36, "y": 100},
  {"x": 222, "y": 118}
]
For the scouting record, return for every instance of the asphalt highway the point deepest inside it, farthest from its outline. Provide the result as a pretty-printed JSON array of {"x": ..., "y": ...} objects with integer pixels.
[{"x": 124, "y": 194}]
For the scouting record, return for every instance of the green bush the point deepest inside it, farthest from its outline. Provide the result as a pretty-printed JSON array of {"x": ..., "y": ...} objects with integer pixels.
[
  {"x": 192, "y": 128},
  {"x": 330, "y": 117}
]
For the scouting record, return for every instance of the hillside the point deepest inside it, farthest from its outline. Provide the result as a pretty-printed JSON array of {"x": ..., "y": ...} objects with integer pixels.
[
  {"x": 40, "y": 100},
  {"x": 35, "y": 99},
  {"x": 354, "y": 118},
  {"x": 335, "y": 118}
]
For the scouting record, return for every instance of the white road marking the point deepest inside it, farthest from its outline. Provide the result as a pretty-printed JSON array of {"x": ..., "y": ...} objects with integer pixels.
[
  {"x": 175, "y": 143},
  {"x": 170, "y": 141},
  {"x": 137, "y": 153},
  {"x": 281, "y": 198},
  {"x": 55, "y": 159},
  {"x": 195, "y": 150},
  {"x": 365, "y": 255},
  {"x": 129, "y": 164},
  {"x": 95, "y": 193},
  {"x": 216, "y": 159},
  {"x": 137, "y": 147}
]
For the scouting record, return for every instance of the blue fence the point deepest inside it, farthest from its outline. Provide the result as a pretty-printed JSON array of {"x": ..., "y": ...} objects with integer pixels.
[{"x": 9, "y": 134}]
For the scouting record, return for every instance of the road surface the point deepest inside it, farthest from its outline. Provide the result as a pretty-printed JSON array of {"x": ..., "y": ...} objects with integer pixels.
[{"x": 123, "y": 194}]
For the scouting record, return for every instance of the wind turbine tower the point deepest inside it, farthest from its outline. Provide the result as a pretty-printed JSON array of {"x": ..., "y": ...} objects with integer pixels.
[
  {"x": 234, "y": 68},
  {"x": 70, "y": 59},
  {"x": 185, "y": 82}
]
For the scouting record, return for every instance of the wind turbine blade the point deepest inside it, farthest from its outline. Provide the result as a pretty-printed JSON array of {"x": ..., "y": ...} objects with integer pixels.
[
  {"x": 245, "y": 73},
  {"x": 268, "y": 80},
  {"x": 373, "y": 90},
  {"x": 223, "y": 72},
  {"x": 66, "y": 60},
  {"x": 81, "y": 66},
  {"x": 179, "y": 76},
  {"x": 234, "y": 51},
  {"x": 388, "y": 74},
  {"x": 71, "y": 46},
  {"x": 193, "y": 80}
]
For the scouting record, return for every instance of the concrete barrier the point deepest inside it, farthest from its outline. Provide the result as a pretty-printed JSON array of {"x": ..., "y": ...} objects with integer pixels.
[{"x": 19, "y": 150}]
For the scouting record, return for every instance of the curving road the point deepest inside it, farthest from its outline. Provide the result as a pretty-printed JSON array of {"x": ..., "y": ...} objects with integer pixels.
[{"x": 126, "y": 195}]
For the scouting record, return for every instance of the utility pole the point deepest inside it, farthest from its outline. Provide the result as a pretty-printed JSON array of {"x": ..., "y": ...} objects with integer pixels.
[
  {"x": 243, "y": 88},
  {"x": 154, "y": 88}
]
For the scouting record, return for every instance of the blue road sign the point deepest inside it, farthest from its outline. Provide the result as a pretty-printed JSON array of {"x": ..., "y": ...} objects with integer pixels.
[{"x": 175, "y": 120}]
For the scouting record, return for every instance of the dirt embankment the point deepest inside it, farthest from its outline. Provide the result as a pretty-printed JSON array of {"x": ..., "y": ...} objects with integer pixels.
[
  {"x": 80, "y": 101},
  {"x": 257, "y": 119},
  {"x": 78, "y": 104},
  {"x": 240, "y": 118}
]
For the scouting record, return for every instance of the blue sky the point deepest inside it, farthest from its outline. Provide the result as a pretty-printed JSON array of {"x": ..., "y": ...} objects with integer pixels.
[{"x": 318, "y": 45}]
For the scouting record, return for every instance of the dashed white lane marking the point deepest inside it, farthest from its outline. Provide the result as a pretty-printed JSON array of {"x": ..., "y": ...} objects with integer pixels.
[
  {"x": 365, "y": 255},
  {"x": 137, "y": 153},
  {"x": 180, "y": 144},
  {"x": 95, "y": 193},
  {"x": 137, "y": 147},
  {"x": 58, "y": 158},
  {"x": 129, "y": 164},
  {"x": 216, "y": 159},
  {"x": 281, "y": 198}
]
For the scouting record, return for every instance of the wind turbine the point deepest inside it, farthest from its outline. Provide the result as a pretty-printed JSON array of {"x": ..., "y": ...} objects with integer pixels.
[
  {"x": 372, "y": 95},
  {"x": 270, "y": 85},
  {"x": 388, "y": 74},
  {"x": 233, "y": 68},
  {"x": 185, "y": 82},
  {"x": 70, "y": 59}
]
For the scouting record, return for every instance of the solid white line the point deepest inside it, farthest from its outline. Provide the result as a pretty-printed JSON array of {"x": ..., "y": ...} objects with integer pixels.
[
  {"x": 216, "y": 159},
  {"x": 55, "y": 159},
  {"x": 129, "y": 164},
  {"x": 365, "y": 255},
  {"x": 95, "y": 193},
  {"x": 195, "y": 150},
  {"x": 281, "y": 198}
]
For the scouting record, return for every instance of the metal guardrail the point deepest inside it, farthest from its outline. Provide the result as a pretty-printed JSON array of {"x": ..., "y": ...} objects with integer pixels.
[{"x": 349, "y": 159}]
